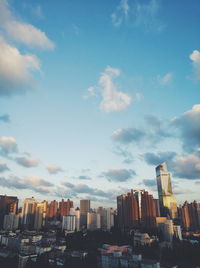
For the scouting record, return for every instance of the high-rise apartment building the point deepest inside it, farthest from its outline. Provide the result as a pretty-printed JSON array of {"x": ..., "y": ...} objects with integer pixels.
[
  {"x": 127, "y": 211},
  {"x": 69, "y": 223},
  {"x": 8, "y": 204},
  {"x": 148, "y": 211},
  {"x": 64, "y": 207},
  {"x": 93, "y": 220},
  {"x": 189, "y": 216},
  {"x": 40, "y": 215},
  {"x": 28, "y": 212},
  {"x": 84, "y": 206},
  {"x": 138, "y": 195},
  {"x": 78, "y": 217},
  {"x": 84, "y": 209},
  {"x": 52, "y": 210},
  {"x": 107, "y": 217},
  {"x": 168, "y": 203}
]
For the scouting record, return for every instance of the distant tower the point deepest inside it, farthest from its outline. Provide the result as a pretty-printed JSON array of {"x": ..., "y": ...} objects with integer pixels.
[{"x": 168, "y": 203}]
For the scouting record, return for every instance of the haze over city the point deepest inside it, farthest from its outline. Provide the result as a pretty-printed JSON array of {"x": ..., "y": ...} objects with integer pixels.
[{"x": 95, "y": 95}]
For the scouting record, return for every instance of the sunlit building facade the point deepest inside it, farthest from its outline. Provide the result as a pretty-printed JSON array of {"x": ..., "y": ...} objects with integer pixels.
[
  {"x": 127, "y": 211},
  {"x": 28, "y": 212},
  {"x": 40, "y": 215},
  {"x": 168, "y": 203}
]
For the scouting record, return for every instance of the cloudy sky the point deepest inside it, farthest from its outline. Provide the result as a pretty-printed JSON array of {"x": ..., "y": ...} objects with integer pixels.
[{"x": 94, "y": 94}]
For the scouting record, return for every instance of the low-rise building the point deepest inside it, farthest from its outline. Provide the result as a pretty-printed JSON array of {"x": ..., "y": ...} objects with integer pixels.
[
  {"x": 142, "y": 239},
  {"x": 123, "y": 256}
]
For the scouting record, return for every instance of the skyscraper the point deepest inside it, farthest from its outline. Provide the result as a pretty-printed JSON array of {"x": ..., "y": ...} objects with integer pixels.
[
  {"x": 28, "y": 212},
  {"x": 168, "y": 204}
]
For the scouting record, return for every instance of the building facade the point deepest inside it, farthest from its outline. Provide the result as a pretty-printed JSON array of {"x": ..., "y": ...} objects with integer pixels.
[
  {"x": 168, "y": 203},
  {"x": 28, "y": 213},
  {"x": 8, "y": 204}
]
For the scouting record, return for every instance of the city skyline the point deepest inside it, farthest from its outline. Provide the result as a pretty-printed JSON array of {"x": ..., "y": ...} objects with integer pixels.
[
  {"x": 93, "y": 97},
  {"x": 164, "y": 199}
]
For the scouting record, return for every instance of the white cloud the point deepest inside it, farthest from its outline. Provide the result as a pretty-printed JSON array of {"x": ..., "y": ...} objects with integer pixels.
[
  {"x": 36, "y": 181},
  {"x": 8, "y": 145},
  {"x": 37, "y": 11},
  {"x": 120, "y": 13},
  {"x": 28, "y": 34},
  {"x": 118, "y": 175},
  {"x": 195, "y": 58},
  {"x": 15, "y": 69},
  {"x": 138, "y": 14},
  {"x": 3, "y": 167},
  {"x": 187, "y": 166},
  {"x": 138, "y": 96},
  {"x": 188, "y": 125},
  {"x": 27, "y": 162},
  {"x": 166, "y": 79},
  {"x": 91, "y": 91},
  {"x": 53, "y": 169},
  {"x": 128, "y": 135},
  {"x": 113, "y": 100},
  {"x": 33, "y": 183},
  {"x": 21, "y": 31}
]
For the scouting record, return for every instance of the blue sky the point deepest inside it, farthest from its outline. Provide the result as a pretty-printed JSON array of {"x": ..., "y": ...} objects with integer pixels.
[{"x": 94, "y": 95}]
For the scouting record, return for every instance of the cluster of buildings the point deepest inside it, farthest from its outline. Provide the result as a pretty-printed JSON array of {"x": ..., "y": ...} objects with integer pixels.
[
  {"x": 123, "y": 256},
  {"x": 39, "y": 215},
  {"x": 28, "y": 230},
  {"x": 139, "y": 210},
  {"x": 28, "y": 245}
]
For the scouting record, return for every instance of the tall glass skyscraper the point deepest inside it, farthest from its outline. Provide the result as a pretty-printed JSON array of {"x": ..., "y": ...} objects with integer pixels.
[{"x": 168, "y": 203}]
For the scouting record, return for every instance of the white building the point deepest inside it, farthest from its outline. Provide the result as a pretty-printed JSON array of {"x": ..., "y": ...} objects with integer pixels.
[
  {"x": 11, "y": 222},
  {"x": 78, "y": 217},
  {"x": 177, "y": 232},
  {"x": 93, "y": 221},
  {"x": 69, "y": 223},
  {"x": 109, "y": 218}
]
